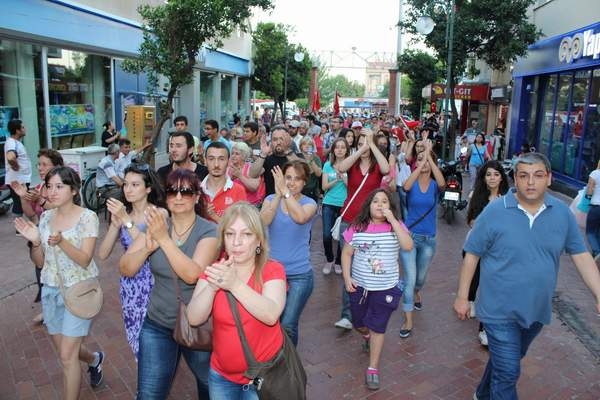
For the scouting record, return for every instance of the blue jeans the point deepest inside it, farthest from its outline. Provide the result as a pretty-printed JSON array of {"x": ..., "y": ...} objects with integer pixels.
[
  {"x": 592, "y": 229},
  {"x": 330, "y": 213},
  {"x": 222, "y": 389},
  {"x": 507, "y": 344},
  {"x": 300, "y": 287},
  {"x": 345, "y": 297},
  {"x": 158, "y": 359},
  {"x": 415, "y": 264}
]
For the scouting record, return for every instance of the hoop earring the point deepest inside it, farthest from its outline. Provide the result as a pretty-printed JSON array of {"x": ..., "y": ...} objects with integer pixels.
[{"x": 258, "y": 250}]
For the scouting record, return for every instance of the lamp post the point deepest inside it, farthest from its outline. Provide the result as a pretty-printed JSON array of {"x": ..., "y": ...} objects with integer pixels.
[
  {"x": 298, "y": 57},
  {"x": 424, "y": 26}
]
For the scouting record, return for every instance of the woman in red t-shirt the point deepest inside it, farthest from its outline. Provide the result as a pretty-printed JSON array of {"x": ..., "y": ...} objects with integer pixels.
[
  {"x": 367, "y": 159},
  {"x": 258, "y": 284}
]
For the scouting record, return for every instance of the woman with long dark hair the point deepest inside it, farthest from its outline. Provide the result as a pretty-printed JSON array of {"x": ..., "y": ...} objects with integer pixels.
[
  {"x": 179, "y": 250},
  {"x": 491, "y": 183},
  {"x": 141, "y": 189}
]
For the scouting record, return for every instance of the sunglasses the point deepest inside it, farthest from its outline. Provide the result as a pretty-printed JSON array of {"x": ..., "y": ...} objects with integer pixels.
[{"x": 183, "y": 191}]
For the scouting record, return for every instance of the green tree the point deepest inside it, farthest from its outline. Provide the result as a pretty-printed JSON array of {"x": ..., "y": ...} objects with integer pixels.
[
  {"x": 271, "y": 53},
  {"x": 173, "y": 35},
  {"x": 494, "y": 31},
  {"x": 422, "y": 70},
  {"x": 329, "y": 84}
]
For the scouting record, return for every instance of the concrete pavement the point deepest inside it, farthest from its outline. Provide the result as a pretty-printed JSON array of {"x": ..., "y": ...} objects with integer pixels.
[{"x": 441, "y": 360}]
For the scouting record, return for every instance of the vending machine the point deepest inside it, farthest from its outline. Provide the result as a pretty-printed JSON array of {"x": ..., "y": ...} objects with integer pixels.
[{"x": 140, "y": 123}]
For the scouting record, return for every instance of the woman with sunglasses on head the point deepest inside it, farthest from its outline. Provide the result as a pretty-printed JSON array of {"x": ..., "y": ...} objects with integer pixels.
[
  {"x": 141, "y": 189},
  {"x": 258, "y": 285},
  {"x": 64, "y": 245},
  {"x": 179, "y": 250},
  {"x": 289, "y": 216}
]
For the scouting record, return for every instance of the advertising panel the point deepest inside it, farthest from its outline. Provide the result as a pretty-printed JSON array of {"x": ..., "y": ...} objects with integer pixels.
[
  {"x": 6, "y": 114},
  {"x": 69, "y": 119}
]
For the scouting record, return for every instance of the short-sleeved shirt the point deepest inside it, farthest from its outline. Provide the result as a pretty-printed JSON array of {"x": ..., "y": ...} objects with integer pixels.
[
  {"x": 23, "y": 175},
  {"x": 105, "y": 172},
  {"x": 163, "y": 305},
  {"x": 477, "y": 155},
  {"x": 595, "y": 175},
  {"x": 375, "y": 259},
  {"x": 163, "y": 172},
  {"x": 231, "y": 193},
  {"x": 257, "y": 196},
  {"x": 519, "y": 263},
  {"x": 355, "y": 177},
  {"x": 270, "y": 162},
  {"x": 289, "y": 241},
  {"x": 123, "y": 162},
  {"x": 265, "y": 341},
  {"x": 70, "y": 272},
  {"x": 418, "y": 204},
  {"x": 105, "y": 136},
  {"x": 335, "y": 195}
]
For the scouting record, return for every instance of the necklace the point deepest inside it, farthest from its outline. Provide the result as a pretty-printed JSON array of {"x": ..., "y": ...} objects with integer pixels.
[{"x": 178, "y": 241}]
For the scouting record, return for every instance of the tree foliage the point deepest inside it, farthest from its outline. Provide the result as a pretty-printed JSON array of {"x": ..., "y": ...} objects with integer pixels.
[
  {"x": 271, "y": 51},
  {"x": 422, "y": 69},
  {"x": 174, "y": 33},
  {"x": 329, "y": 84}
]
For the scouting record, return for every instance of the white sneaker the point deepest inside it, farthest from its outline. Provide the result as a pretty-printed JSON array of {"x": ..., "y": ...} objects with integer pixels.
[
  {"x": 344, "y": 323},
  {"x": 483, "y": 338},
  {"x": 472, "y": 311},
  {"x": 327, "y": 268},
  {"x": 337, "y": 268}
]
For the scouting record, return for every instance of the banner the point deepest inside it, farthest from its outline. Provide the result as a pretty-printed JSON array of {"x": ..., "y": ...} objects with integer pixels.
[
  {"x": 336, "y": 104},
  {"x": 69, "y": 119}
]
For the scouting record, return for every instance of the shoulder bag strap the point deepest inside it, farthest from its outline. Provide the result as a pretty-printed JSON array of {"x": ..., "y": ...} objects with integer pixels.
[
  {"x": 422, "y": 216},
  {"x": 354, "y": 195},
  {"x": 250, "y": 359}
]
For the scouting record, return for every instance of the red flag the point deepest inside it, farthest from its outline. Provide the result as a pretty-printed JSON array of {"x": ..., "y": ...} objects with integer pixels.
[
  {"x": 317, "y": 103},
  {"x": 336, "y": 104}
]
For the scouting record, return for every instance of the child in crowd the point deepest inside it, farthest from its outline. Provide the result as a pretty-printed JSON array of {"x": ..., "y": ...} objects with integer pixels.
[{"x": 372, "y": 244}]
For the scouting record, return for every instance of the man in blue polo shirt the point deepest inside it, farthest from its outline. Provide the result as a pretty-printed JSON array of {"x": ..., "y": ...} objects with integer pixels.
[{"x": 519, "y": 239}]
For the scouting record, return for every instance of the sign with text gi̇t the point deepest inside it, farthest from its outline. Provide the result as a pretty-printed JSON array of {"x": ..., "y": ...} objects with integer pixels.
[
  {"x": 70, "y": 119},
  {"x": 461, "y": 92}
]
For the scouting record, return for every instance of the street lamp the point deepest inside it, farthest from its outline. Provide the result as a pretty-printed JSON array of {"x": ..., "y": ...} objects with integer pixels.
[
  {"x": 424, "y": 26},
  {"x": 298, "y": 57}
]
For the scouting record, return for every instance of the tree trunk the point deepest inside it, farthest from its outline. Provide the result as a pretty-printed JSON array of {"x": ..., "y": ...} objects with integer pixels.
[{"x": 166, "y": 111}]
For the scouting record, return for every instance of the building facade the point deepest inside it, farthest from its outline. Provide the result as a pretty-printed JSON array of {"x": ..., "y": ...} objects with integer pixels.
[
  {"x": 556, "y": 95},
  {"x": 60, "y": 72}
]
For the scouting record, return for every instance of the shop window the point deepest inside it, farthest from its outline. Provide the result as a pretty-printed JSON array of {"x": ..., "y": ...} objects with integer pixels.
[
  {"x": 532, "y": 92},
  {"x": 227, "y": 110},
  {"x": 574, "y": 130},
  {"x": 591, "y": 138},
  {"x": 79, "y": 95},
  {"x": 547, "y": 119},
  {"x": 561, "y": 123},
  {"x": 206, "y": 104}
]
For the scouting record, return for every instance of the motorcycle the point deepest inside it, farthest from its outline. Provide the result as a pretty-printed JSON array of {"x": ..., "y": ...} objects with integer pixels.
[{"x": 451, "y": 198}]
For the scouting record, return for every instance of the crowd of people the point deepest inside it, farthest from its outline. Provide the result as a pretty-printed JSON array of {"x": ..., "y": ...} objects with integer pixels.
[{"x": 233, "y": 215}]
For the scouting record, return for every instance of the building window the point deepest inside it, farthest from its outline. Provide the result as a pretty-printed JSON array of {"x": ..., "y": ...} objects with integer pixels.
[
  {"x": 590, "y": 153},
  {"x": 206, "y": 104},
  {"x": 547, "y": 119},
  {"x": 79, "y": 96}
]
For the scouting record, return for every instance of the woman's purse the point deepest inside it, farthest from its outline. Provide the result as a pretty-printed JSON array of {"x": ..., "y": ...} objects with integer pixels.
[
  {"x": 83, "y": 299},
  {"x": 584, "y": 202},
  {"x": 282, "y": 377},
  {"x": 335, "y": 231},
  {"x": 194, "y": 337}
]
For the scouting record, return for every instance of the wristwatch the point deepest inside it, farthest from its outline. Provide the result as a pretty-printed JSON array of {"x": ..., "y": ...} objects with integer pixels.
[
  {"x": 128, "y": 224},
  {"x": 287, "y": 195}
]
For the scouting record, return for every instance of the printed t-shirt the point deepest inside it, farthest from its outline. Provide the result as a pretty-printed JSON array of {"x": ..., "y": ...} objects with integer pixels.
[
  {"x": 375, "y": 259},
  {"x": 265, "y": 341},
  {"x": 355, "y": 177}
]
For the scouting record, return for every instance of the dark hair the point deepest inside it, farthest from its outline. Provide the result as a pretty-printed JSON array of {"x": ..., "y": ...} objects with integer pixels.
[
  {"x": 106, "y": 125},
  {"x": 151, "y": 180},
  {"x": 332, "y": 153},
  {"x": 385, "y": 150},
  {"x": 236, "y": 119},
  {"x": 279, "y": 128},
  {"x": 344, "y": 132},
  {"x": 14, "y": 125},
  {"x": 124, "y": 141},
  {"x": 325, "y": 124},
  {"x": 217, "y": 145},
  {"x": 68, "y": 177},
  {"x": 361, "y": 221},
  {"x": 213, "y": 124},
  {"x": 54, "y": 156},
  {"x": 180, "y": 118},
  {"x": 189, "y": 139},
  {"x": 252, "y": 125},
  {"x": 482, "y": 136},
  {"x": 481, "y": 193},
  {"x": 187, "y": 177},
  {"x": 300, "y": 166}
]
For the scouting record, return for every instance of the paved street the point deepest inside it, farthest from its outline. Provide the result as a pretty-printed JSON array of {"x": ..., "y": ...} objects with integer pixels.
[{"x": 442, "y": 360}]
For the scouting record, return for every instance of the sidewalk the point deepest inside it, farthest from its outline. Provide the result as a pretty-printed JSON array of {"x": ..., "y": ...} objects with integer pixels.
[{"x": 442, "y": 360}]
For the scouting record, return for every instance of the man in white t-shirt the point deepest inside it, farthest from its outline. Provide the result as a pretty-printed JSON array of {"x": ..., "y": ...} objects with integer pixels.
[{"x": 18, "y": 164}]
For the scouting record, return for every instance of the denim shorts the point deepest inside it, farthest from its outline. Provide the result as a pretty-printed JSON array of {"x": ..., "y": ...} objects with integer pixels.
[
  {"x": 58, "y": 319},
  {"x": 373, "y": 309}
]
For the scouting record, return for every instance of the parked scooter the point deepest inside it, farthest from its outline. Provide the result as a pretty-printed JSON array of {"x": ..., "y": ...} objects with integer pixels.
[{"x": 451, "y": 197}]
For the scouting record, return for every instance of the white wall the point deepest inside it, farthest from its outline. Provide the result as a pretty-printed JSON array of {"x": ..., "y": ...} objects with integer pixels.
[{"x": 556, "y": 17}]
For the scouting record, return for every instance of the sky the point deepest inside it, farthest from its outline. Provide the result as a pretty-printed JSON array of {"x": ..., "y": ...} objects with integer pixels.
[{"x": 330, "y": 29}]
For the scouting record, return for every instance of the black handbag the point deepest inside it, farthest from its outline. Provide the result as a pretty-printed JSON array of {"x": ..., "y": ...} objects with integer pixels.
[{"x": 282, "y": 377}]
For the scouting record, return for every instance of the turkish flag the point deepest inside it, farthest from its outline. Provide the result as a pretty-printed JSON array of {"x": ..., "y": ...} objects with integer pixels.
[
  {"x": 409, "y": 124},
  {"x": 317, "y": 103},
  {"x": 336, "y": 104}
]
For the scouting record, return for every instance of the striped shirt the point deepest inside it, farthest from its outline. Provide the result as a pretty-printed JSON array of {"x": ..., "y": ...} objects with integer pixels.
[{"x": 375, "y": 260}]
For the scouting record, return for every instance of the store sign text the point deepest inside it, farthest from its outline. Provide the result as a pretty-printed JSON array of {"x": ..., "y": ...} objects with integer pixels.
[{"x": 586, "y": 44}]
